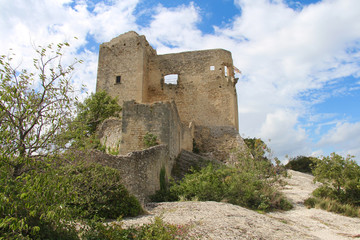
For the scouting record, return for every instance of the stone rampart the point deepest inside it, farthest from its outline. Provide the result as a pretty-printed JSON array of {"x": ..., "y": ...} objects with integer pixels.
[{"x": 140, "y": 170}]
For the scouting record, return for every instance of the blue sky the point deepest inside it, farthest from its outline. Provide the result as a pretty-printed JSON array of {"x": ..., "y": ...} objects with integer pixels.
[{"x": 300, "y": 60}]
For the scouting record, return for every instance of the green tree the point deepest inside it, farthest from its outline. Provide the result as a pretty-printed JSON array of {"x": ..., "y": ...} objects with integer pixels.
[
  {"x": 95, "y": 109},
  {"x": 35, "y": 106},
  {"x": 340, "y": 177}
]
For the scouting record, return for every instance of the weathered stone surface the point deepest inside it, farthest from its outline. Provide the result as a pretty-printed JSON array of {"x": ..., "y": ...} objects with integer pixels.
[
  {"x": 161, "y": 119},
  {"x": 189, "y": 160},
  {"x": 140, "y": 170},
  {"x": 109, "y": 133}
]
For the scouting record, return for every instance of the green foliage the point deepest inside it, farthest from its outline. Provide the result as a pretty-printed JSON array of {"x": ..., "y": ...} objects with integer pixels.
[
  {"x": 97, "y": 192},
  {"x": 195, "y": 147},
  {"x": 35, "y": 106},
  {"x": 249, "y": 184},
  {"x": 340, "y": 177},
  {"x": 150, "y": 140},
  {"x": 257, "y": 148},
  {"x": 45, "y": 202},
  {"x": 95, "y": 109},
  {"x": 340, "y": 189},
  {"x": 301, "y": 164},
  {"x": 32, "y": 206},
  {"x": 163, "y": 195},
  {"x": 156, "y": 230},
  {"x": 41, "y": 197},
  {"x": 232, "y": 185},
  {"x": 333, "y": 206}
]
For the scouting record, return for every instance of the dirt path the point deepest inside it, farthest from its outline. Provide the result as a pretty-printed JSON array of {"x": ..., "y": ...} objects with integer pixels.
[
  {"x": 212, "y": 220},
  {"x": 316, "y": 222}
]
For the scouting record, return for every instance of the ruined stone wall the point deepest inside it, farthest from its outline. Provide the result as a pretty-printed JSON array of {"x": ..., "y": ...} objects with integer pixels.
[
  {"x": 109, "y": 132},
  {"x": 203, "y": 94},
  {"x": 140, "y": 170},
  {"x": 125, "y": 58},
  {"x": 219, "y": 141},
  {"x": 160, "y": 119}
]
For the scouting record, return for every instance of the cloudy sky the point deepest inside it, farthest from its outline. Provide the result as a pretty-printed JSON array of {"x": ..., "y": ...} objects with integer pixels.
[{"x": 300, "y": 59}]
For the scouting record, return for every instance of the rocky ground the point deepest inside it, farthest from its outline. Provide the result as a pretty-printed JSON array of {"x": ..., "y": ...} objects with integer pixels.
[{"x": 212, "y": 220}]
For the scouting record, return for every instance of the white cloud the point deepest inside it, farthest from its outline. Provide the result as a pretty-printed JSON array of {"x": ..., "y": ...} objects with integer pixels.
[
  {"x": 343, "y": 138},
  {"x": 280, "y": 130},
  {"x": 111, "y": 20},
  {"x": 174, "y": 28},
  {"x": 283, "y": 53},
  {"x": 32, "y": 22}
]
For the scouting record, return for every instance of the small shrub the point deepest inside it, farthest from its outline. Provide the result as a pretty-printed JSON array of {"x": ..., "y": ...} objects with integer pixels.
[
  {"x": 310, "y": 202},
  {"x": 150, "y": 140},
  {"x": 158, "y": 229},
  {"x": 301, "y": 164}
]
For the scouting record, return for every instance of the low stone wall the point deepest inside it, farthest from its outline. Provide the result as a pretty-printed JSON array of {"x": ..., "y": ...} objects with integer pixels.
[{"x": 140, "y": 170}]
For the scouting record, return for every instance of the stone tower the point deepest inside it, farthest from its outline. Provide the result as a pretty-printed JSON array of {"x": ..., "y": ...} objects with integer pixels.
[{"x": 201, "y": 83}]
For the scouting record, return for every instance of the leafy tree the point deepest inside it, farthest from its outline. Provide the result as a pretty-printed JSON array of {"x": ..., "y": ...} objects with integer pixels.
[
  {"x": 95, "y": 109},
  {"x": 340, "y": 177},
  {"x": 34, "y": 106}
]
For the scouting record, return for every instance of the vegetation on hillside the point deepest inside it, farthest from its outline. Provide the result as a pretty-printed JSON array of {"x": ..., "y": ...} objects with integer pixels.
[
  {"x": 340, "y": 189},
  {"x": 249, "y": 184}
]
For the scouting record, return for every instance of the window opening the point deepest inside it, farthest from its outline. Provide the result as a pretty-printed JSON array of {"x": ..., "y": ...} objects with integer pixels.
[
  {"x": 118, "y": 80},
  {"x": 226, "y": 71},
  {"x": 171, "y": 79},
  {"x": 212, "y": 68}
]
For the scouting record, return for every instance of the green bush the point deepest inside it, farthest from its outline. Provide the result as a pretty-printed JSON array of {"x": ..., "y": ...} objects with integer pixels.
[
  {"x": 158, "y": 229},
  {"x": 250, "y": 183},
  {"x": 32, "y": 205},
  {"x": 340, "y": 189},
  {"x": 229, "y": 185},
  {"x": 311, "y": 202},
  {"x": 340, "y": 177},
  {"x": 44, "y": 203},
  {"x": 301, "y": 164},
  {"x": 98, "y": 193}
]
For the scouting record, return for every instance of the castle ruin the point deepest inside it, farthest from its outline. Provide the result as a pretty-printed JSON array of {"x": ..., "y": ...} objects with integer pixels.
[{"x": 188, "y": 99}]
